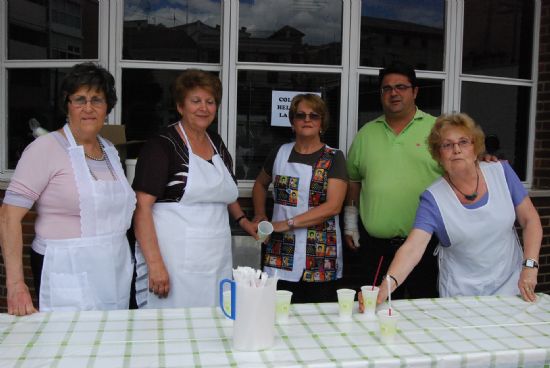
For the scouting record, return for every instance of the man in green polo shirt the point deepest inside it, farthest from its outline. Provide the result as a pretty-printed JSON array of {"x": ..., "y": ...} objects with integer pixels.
[{"x": 389, "y": 166}]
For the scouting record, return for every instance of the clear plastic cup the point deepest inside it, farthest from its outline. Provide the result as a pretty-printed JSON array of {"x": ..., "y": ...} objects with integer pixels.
[
  {"x": 388, "y": 325},
  {"x": 369, "y": 295},
  {"x": 345, "y": 303},
  {"x": 282, "y": 306},
  {"x": 265, "y": 228}
]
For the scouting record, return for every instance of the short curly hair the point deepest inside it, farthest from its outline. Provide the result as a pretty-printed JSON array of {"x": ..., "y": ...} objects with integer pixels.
[
  {"x": 316, "y": 103},
  {"x": 461, "y": 121},
  {"x": 196, "y": 78},
  {"x": 88, "y": 75}
]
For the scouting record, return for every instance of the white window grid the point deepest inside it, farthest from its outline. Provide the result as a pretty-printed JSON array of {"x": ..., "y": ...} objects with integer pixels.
[{"x": 110, "y": 30}]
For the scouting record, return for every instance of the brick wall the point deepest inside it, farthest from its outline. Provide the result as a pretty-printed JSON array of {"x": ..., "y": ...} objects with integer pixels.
[
  {"x": 541, "y": 174},
  {"x": 542, "y": 138}
]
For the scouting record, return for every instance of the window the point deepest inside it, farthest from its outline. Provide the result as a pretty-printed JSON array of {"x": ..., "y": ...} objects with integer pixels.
[
  {"x": 472, "y": 56},
  {"x": 397, "y": 30},
  {"x": 291, "y": 31},
  {"x": 256, "y": 135},
  {"x": 36, "y": 29},
  {"x": 184, "y": 31},
  {"x": 43, "y": 37},
  {"x": 497, "y": 64}
]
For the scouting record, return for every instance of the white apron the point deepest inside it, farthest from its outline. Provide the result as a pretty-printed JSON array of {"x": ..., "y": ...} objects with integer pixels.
[
  {"x": 194, "y": 237},
  {"x": 93, "y": 272},
  {"x": 485, "y": 255},
  {"x": 282, "y": 167}
]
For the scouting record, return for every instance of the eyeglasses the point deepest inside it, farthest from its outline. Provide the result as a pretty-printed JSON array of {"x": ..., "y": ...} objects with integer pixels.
[
  {"x": 81, "y": 101},
  {"x": 311, "y": 116},
  {"x": 462, "y": 143},
  {"x": 397, "y": 88}
]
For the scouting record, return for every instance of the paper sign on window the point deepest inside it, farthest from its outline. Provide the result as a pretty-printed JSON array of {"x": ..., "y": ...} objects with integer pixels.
[{"x": 280, "y": 105}]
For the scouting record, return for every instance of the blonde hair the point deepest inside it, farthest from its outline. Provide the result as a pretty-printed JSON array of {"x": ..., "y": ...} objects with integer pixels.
[
  {"x": 461, "y": 121},
  {"x": 315, "y": 102}
]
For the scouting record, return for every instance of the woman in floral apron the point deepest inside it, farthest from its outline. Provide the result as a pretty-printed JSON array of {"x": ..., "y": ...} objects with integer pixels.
[{"x": 309, "y": 186}]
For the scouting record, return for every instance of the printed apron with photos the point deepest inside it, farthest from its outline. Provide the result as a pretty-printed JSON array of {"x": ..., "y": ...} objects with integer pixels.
[
  {"x": 194, "y": 237},
  {"x": 313, "y": 254},
  {"x": 93, "y": 272},
  {"x": 482, "y": 259}
]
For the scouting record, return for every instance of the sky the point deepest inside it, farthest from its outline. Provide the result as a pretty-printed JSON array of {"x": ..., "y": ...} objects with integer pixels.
[
  {"x": 320, "y": 20},
  {"x": 426, "y": 12}
]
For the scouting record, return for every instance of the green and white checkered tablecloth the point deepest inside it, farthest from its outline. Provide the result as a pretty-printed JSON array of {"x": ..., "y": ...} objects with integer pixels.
[{"x": 454, "y": 332}]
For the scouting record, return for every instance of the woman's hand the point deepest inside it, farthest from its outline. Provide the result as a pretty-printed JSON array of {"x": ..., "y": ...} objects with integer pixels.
[
  {"x": 259, "y": 218},
  {"x": 383, "y": 291},
  {"x": 159, "y": 280},
  {"x": 527, "y": 283},
  {"x": 250, "y": 227},
  {"x": 19, "y": 300}
]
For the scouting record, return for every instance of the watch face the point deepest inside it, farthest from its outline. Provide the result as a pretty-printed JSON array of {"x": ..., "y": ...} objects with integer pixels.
[{"x": 530, "y": 263}]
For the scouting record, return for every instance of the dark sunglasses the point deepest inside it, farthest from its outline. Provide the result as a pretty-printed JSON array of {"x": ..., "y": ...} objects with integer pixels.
[{"x": 311, "y": 116}]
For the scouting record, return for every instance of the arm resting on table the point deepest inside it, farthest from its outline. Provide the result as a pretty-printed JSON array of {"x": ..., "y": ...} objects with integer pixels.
[
  {"x": 406, "y": 258},
  {"x": 529, "y": 221}
]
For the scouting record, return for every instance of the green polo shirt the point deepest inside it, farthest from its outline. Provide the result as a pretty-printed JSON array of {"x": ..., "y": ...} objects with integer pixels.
[{"x": 393, "y": 170}]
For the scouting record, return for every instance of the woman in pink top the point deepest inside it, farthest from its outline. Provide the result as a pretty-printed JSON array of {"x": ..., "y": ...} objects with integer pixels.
[{"x": 80, "y": 256}]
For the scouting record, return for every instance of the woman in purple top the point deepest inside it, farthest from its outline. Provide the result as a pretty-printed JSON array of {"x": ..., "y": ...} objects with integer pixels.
[{"x": 472, "y": 210}]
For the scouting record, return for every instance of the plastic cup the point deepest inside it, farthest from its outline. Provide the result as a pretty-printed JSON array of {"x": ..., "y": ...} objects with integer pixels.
[
  {"x": 227, "y": 301},
  {"x": 265, "y": 228},
  {"x": 282, "y": 306},
  {"x": 388, "y": 325},
  {"x": 345, "y": 303},
  {"x": 370, "y": 295}
]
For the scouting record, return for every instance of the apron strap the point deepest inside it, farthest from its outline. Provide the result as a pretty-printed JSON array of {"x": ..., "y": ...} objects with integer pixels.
[{"x": 189, "y": 145}]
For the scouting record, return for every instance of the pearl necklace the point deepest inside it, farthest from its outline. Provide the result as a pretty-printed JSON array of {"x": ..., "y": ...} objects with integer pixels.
[
  {"x": 103, "y": 157},
  {"x": 100, "y": 158}
]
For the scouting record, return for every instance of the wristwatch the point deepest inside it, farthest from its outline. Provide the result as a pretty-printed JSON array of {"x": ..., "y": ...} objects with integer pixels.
[
  {"x": 290, "y": 223},
  {"x": 530, "y": 263}
]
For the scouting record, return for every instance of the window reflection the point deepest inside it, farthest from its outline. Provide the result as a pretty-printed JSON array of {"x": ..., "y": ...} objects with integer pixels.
[
  {"x": 147, "y": 104},
  {"x": 55, "y": 29},
  {"x": 291, "y": 31},
  {"x": 396, "y": 30},
  {"x": 428, "y": 99},
  {"x": 503, "y": 113},
  {"x": 182, "y": 30},
  {"x": 23, "y": 84},
  {"x": 498, "y": 38},
  {"x": 255, "y": 135}
]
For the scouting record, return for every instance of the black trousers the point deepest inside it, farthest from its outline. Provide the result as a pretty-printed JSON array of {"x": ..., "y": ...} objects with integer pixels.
[
  {"x": 37, "y": 260},
  {"x": 311, "y": 292},
  {"x": 421, "y": 282}
]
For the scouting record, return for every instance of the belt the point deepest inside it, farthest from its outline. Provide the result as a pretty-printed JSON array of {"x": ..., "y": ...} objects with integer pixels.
[{"x": 394, "y": 242}]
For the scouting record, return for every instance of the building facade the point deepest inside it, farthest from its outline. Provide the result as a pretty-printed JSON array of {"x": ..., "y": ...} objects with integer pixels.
[{"x": 489, "y": 58}]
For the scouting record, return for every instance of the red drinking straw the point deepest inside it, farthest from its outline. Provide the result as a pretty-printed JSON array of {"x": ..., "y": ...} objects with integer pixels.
[
  {"x": 388, "y": 281},
  {"x": 377, "y": 271}
]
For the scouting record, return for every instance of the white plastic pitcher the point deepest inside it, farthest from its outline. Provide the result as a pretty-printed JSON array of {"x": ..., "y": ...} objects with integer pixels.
[{"x": 253, "y": 310}]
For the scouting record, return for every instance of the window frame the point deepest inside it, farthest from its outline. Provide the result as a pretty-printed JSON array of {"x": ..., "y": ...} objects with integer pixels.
[
  {"x": 110, "y": 29},
  {"x": 6, "y": 65}
]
